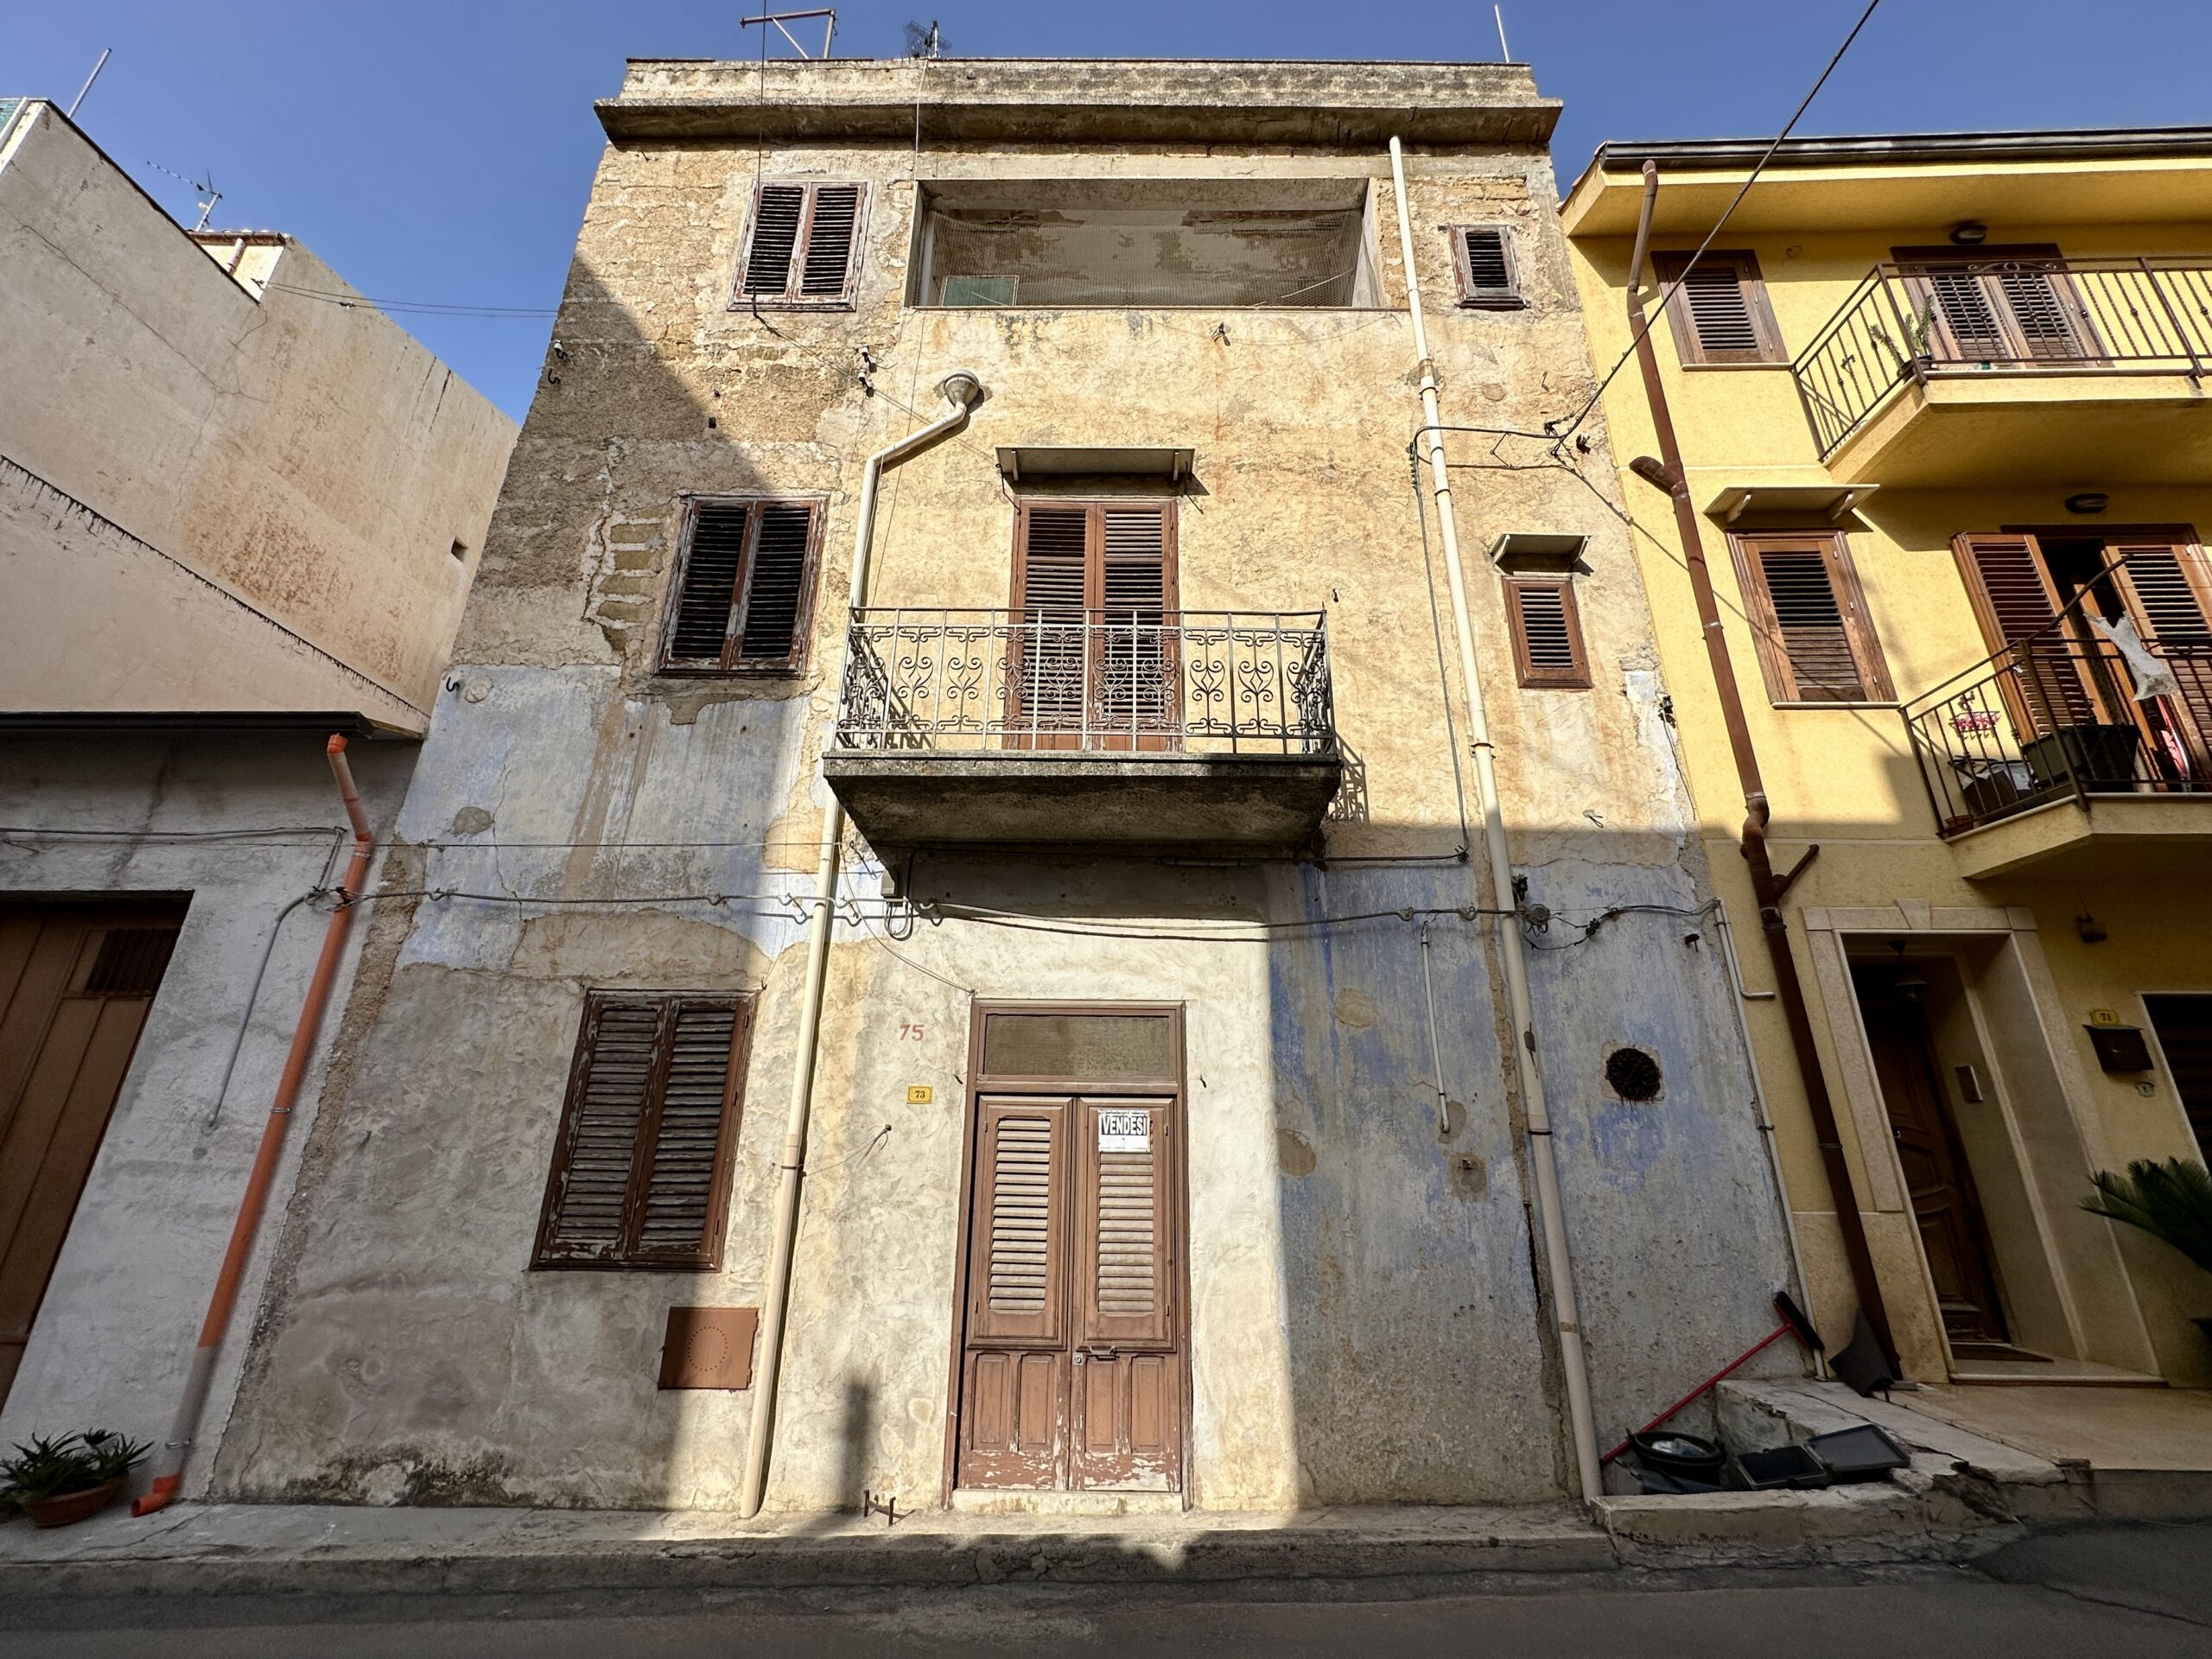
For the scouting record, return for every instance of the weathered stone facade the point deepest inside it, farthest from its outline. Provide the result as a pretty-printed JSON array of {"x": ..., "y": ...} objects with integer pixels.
[{"x": 1363, "y": 1282}]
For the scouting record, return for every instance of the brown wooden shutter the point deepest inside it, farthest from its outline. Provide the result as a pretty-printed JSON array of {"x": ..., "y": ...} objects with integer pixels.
[
  {"x": 2167, "y": 588},
  {"x": 1015, "y": 1292},
  {"x": 1136, "y": 592},
  {"x": 2014, "y": 600},
  {"x": 744, "y": 587},
  {"x": 1814, "y": 642},
  {"x": 801, "y": 247},
  {"x": 1052, "y": 595},
  {"x": 1123, "y": 1251},
  {"x": 1547, "y": 631},
  {"x": 1718, "y": 312},
  {"x": 1488, "y": 278},
  {"x": 641, "y": 1167}
]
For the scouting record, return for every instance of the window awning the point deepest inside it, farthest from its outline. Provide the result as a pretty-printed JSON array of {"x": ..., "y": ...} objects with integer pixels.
[
  {"x": 1019, "y": 461},
  {"x": 1833, "y": 503}
]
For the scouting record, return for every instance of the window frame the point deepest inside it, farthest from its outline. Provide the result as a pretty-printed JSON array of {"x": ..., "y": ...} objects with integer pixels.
[
  {"x": 791, "y": 299},
  {"x": 1531, "y": 677},
  {"x": 1474, "y": 298},
  {"x": 708, "y": 1258},
  {"x": 787, "y": 667},
  {"x": 1774, "y": 666},
  {"x": 1668, "y": 267}
]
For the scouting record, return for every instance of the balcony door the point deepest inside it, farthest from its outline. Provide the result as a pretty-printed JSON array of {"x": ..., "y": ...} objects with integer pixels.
[
  {"x": 2070, "y": 675},
  {"x": 1093, "y": 662},
  {"x": 1996, "y": 305}
]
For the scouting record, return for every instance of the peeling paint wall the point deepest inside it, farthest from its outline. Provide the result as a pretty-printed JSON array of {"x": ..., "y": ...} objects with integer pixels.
[{"x": 1365, "y": 1302}]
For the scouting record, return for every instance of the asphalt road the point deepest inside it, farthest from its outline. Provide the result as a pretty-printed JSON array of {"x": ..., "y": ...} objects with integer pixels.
[{"x": 2139, "y": 1591}]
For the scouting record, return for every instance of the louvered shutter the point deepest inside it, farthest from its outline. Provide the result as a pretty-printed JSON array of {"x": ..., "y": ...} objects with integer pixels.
[
  {"x": 775, "y": 605},
  {"x": 1136, "y": 681},
  {"x": 1546, "y": 633},
  {"x": 1814, "y": 642},
  {"x": 802, "y": 246},
  {"x": 1123, "y": 1253},
  {"x": 641, "y": 1166},
  {"x": 1967, "y": 314},
  {"x": 2166, "y": 587},
  {"x": 1488, "y": 275},
  {"x": 1014, "y": 1282},
  {"x": 713, "y": 560},
  {"x": 1051, "y": 606},
  {"x": 2015, "y": 602},
  {"x": 777, "y": 210},
  {"x": 1717, "y": 308},
  {"x": 2037, "y": 301}
]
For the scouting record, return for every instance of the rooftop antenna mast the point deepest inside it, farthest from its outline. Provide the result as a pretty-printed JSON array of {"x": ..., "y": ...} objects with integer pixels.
[
  {"x": 199, "y": 187},
  {"x": 106, "y": 52},
  {"x": 1504, "y": 52},
  {"x": 925, "y": 42},
  {"x": 779, "y": 18}
]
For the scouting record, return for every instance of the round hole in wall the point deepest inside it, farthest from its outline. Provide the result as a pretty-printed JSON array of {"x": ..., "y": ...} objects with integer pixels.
[{"x": 1632, "y": 1074}]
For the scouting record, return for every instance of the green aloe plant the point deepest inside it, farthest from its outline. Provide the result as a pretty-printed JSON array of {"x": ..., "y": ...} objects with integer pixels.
[
  {"x": 2170, "y": 1201},
  {"x": 51, "y": 1466}
]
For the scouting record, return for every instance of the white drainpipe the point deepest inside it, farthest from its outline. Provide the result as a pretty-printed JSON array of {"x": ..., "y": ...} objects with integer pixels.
[
  {"x": 1558, "y": 1262},
  {"x": 961, "y": 389}
]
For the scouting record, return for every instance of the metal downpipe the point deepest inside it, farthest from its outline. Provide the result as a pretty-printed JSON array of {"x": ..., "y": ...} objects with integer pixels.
[
  {"x": 168, "y": 1474},
  {"x": 1558, "y": 1260},
  {"x": 1767, "y": 887},
  {"x": 961, "y": 388}
]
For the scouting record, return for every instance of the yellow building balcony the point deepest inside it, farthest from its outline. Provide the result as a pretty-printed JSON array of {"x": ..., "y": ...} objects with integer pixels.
[
  {"x": 1048, "y": 728},
  {"x": 2063, "y": 755},
  {"x": 2016, "y": 370}
]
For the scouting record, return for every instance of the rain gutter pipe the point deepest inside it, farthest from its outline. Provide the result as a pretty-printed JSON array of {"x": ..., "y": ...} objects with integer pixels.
[
  {"x": 1767, "y": 887},
  {"x": 1558, "y": 1262},
  {"x": 960, "y": 388},
  {"x": 170, "y": 1472}
]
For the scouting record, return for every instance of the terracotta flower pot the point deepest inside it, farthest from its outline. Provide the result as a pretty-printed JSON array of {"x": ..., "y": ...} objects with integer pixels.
[{"x": 67, "y": 1509}]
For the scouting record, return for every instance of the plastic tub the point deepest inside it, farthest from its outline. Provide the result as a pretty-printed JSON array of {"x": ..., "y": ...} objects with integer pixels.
[
  {"x": 1686, "y": 1456},
  {"x": 1785, "y": 1466},
  {"x": 1866, "y": 1453}
]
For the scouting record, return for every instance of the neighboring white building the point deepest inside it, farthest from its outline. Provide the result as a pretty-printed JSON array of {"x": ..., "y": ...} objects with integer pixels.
[{"x": 234, "y": 518}]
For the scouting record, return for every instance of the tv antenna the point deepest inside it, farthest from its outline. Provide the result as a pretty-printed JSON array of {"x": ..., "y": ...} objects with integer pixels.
[
  {"x": 925, "y": 42},
  {"x": 779, "y": 18},
  {"x": 199, "y": 187}
]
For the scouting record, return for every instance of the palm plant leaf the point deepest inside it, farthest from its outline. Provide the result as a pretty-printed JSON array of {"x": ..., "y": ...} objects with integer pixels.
[{"x": 2170, "y": 1201}]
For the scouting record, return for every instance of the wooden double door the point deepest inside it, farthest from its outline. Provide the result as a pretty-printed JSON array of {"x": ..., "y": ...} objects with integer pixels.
[
  {"x": 1095, "y": 661},
  {"x": 76, "y": 980},
  {"x": 1071, "y": 1360}
]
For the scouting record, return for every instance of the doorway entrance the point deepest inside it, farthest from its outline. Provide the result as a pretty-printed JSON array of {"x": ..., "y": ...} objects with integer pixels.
[
  {"x": 1954, "y": 1234},
  {"x": 76, "y": 980},
  {"x": 1071, "y": 1364}
]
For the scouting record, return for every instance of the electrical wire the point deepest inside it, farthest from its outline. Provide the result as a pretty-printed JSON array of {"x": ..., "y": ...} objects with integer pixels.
[{"x": 413, "y": 307}]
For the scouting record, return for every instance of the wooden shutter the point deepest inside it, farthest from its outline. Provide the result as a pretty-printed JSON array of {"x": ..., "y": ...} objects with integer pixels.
[
  {"x": 1016, "y": 1292},
  {"x": 801, "y": 246},
  {"x": 1137, "y": 673},
  {"x": 1051, "y": 602},
  {"x": 744, "y": 588},
  {"x": 1718, "y": 312},
  {"x": 1547, "y": 632},
  {"x": 1124, "y": 1254},
  {"x": 2166, "y": 587},
  {"x": 1814, "y": 642},
  {"x": 1996, "y": 304},
  {"x": 2014, "y": 600},
  {"x": 641, "y": 1167},
  {"x": 1488, "y": 278}
]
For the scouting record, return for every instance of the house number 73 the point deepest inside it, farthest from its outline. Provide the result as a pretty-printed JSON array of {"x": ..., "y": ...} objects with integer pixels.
[{"x": 910, "y": 1032}]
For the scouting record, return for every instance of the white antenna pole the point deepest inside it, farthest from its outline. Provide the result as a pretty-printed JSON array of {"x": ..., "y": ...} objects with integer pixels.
[
  {"x": 1504, "y": 52},
  {"x": 71, "y": 112}
]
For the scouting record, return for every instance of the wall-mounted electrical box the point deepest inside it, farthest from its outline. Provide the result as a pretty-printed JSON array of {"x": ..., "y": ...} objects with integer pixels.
[{"x": 2120, "y": 1048}]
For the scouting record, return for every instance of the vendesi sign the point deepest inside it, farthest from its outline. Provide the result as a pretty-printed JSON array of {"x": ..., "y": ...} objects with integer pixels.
[{"x": 1125, "y": 1131}]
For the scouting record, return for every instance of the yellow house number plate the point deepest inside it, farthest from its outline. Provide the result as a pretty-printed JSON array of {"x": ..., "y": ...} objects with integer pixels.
[{"x": 920, "y": 1093}]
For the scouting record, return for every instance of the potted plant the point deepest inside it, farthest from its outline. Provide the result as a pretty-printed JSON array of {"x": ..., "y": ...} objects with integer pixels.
[
  {"x": 2170, "y": 1201},
  {"x": 59, "y": 1481}
]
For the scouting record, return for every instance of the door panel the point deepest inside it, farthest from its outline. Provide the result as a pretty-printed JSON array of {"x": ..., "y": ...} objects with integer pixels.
[
  {"x": 1071, "y": 1369},
  {"x": 76, "y": 982},
  {"x": 1952, "y": 1234}
]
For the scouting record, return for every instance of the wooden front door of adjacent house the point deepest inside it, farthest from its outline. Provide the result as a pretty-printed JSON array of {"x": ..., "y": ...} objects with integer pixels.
[
  {"x": 1953, "y": 1234},
  {"x": 1070, "y": 1370},
  {"x": 76, "y": 980}
]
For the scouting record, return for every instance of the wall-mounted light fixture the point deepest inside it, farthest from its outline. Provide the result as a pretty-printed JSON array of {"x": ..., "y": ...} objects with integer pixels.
[
  {"x": 1970, "y": 234},
  {"x": 2088, "y": 501},
  {"x": 2091, "y": 929}
]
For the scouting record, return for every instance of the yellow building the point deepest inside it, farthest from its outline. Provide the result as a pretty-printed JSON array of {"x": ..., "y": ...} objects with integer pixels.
[{"x": 1946, "y": 449}]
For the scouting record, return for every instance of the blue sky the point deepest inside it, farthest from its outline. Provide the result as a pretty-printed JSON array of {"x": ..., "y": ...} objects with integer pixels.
[{"x": 443, "y": 151}]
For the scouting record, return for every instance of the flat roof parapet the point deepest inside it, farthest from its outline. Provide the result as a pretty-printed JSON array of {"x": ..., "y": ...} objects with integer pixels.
[{"x": 1076, "y": 100}]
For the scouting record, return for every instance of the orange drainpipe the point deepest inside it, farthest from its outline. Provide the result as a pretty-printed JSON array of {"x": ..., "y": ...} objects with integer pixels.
[{"x": 178, "y": 1447}]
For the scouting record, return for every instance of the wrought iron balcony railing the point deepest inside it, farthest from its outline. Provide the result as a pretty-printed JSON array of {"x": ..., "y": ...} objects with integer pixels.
[
  {"x": 1185, "y": 682},
  {"x": 2064, "y": 715},
  {"x": 2020, "y": 316}
]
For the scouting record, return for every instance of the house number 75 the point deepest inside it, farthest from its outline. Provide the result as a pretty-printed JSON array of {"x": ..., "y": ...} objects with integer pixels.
[{"x": 908, "y": 1031}]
